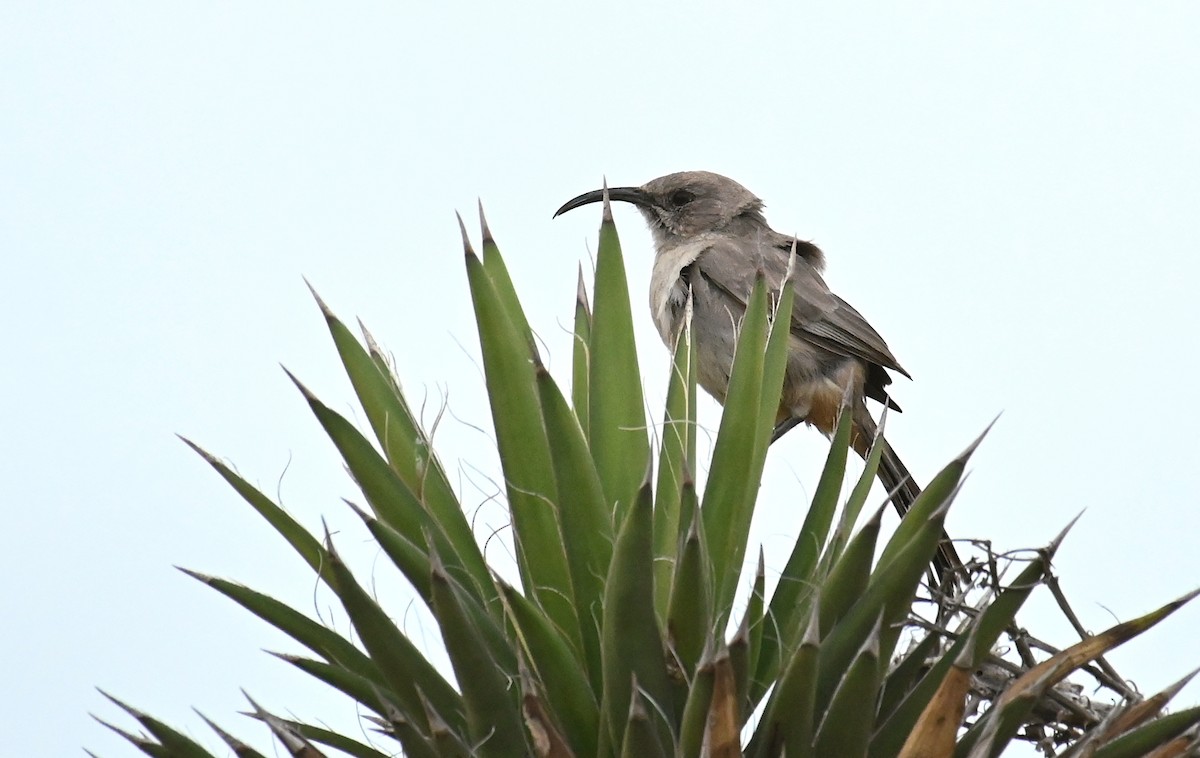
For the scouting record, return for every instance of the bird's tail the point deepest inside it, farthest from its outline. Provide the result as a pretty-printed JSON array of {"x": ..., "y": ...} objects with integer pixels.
[{"x": 896, "y": 479}]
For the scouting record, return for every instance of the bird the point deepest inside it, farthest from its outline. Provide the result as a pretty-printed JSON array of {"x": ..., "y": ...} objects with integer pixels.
[{"x": 711, "y": 240}]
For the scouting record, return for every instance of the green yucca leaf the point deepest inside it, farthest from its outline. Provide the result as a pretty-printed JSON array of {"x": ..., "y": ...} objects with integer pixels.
[
  {"x": 929, "y": 507},
  {"x": 849, "y": 576},
  {"x": 889, "y": 594},
  {"x": 524, "y": 451},
  {"x": 315, "y": 636},
  {"x": 414, "y": 743},
  {"x": 587, "y": 531},
  {"x": 690, "y": 619},
  {"x": 579, "y": 356},
  {"x": 411, "y": 560},
  {"x": 297, "y": 536},
  {"x": 497, "y": 272},
  {"x": 405, "y": 670},
  {"x": 845, "y": 728},
  {"x": 446, "y": 742},
  {"x": 174, "y": 743},
  {"x": 788, "y": 608},
  {"x": 570, "y": 696},
  {"x": 858, "y": 496},
  {"x": 617, "y": 417},
  {"x": 689, "y": 506},
  {"x": 382, "y": 362},
  {"x": 312, "y": 733},
  {"x": 391, "y": 500},
  {"x": 632, "y": 642},
  {"x": 677, "y": 455},
  {"x": 696, "y": 707},
  {"x": 733, "y": 477},
  {"x": 930, "y": 499},
  {"x": 490, "y": 630},
  {"x": 754, "y": 621},
  {"x": 406, "y": 447},
  {"x": 915, "y": 539},
  {"x": 1141, "y": 741},
  {"x": 239, "y": 748},
  {"x": 641, "y": 738},
  {"x": 283, "y": 731},
  {"x": 906, "y": 672},
  {"x": 775, "y": 362},
  {"x": 493, "y": 713},
  {"x": 689, "y": 515},
  {"x": 340, "y": 678},
  {"x": 788, "y": 723},
  {"x": 140, "y": 741},
  {"x": 798, "y": 572}
]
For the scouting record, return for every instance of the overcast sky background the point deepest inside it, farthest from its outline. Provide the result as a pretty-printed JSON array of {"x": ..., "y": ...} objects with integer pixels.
[{"x": 1009, "y": 192}]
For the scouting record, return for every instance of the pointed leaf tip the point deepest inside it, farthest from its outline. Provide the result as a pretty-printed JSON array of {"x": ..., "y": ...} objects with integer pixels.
[
  {"x": 289, "y": 657},
  {"x": 483, "y": 225},
  {"x": 580, "y": 289},
  {"x": 606, "y": 217},
  {"x": 206, "y": 578},
  {"x": 437, "y": 568},
  {"x": 849, "y": 396},
  {"x": 1185, "y": 599},
  {"x": 258, "y": 709},
  {"x": 1052, "y": 548},
  {"x": 467, "y": 249},
  {"x": 366, "y": 517},
  {"x": 965, "y": 455},
  {"x": 137, "y": 739},
  {"x": 203, "y": 453},
  {"x": 793, "y": 256},
  {"x": 1170, "y": 691},
  {"x": 328, "y": 539},
  {"x": 687, "y": 479},
  {"x": 309, "y": 396},
  {"x": 320, "y": 303},
  {"x": 367, "y": 336},
  {"x": 123, "y": 705}
]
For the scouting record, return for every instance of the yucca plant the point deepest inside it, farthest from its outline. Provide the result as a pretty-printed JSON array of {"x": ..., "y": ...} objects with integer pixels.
[{"x": 623, "y": 638}]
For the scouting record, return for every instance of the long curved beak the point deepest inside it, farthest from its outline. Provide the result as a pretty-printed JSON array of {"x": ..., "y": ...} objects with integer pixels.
[{"x": 635, "y": 195}]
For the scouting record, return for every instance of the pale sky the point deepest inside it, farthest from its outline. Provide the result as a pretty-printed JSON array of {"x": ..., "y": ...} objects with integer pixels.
[{"x": 1009, "y": 192}]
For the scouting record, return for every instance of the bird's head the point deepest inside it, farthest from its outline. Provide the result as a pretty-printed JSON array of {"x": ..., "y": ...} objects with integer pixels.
[{"x": 684, "y": 205}]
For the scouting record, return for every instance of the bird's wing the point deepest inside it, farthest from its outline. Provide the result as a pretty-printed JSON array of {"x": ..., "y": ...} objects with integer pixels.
[
  {"x": 843, "y": 329},
  {"x": 818, "y": 315}
]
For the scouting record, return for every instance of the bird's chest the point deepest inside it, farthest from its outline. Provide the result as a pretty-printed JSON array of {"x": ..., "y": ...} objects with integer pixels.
[{"x": 668, "y": 289}]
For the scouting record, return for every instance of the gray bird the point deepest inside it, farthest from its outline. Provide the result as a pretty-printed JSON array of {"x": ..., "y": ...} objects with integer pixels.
[{"x": 711, "y": 239}]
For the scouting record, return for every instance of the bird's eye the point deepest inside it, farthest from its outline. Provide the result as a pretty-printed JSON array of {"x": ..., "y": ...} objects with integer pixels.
[{"x": 681, "y": 197}]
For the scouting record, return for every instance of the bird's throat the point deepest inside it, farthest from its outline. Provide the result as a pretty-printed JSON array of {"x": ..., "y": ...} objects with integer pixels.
[{"x": 668, "y": 291}]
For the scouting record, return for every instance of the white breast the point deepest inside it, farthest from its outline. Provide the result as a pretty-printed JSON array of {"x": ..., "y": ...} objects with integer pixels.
[{"x": 667, "y": 292}]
